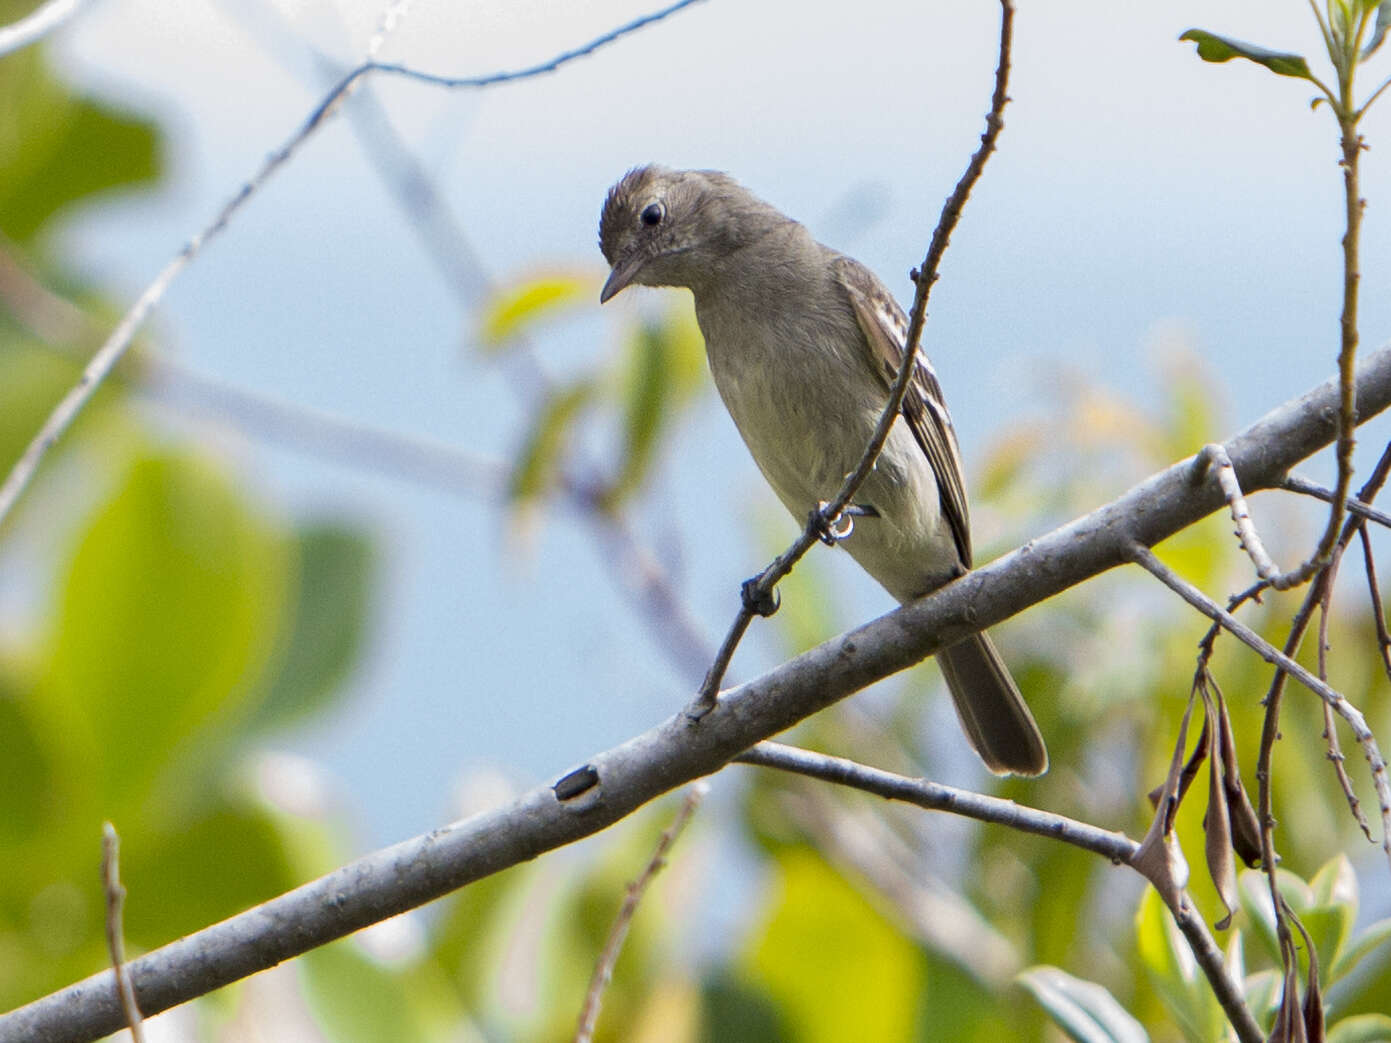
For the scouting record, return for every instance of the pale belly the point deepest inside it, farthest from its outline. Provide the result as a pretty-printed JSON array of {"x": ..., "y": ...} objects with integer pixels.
[{"x": 806, "y": 441}]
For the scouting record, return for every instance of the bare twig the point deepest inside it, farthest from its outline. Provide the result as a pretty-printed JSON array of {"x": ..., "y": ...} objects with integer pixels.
[
  {"x": 760, "y": 589},
  {"x": 116, "y": 344},
  {"x": 1330, "y": 730},
  {"x": 115, "y": 934},
  {"x": 677, "y": 751},
  {"x": 1378, "y": 610},
  {"x": 1214, "y": 456},
  {"x": 603, "y": 970},
  {"x": 1117, "y": 847},
  {"x": 934, "y": 796},
  {"x": 1144, "y": 557},
  {"x": 1298, "y": 484},
  {"x": 37, "y": 24}
]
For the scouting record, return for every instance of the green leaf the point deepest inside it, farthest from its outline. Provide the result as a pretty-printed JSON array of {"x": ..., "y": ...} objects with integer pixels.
[
  {"x": 171, "y": 606},
  {"x": 646, "y": 397},
  {"x": 1214, "y": 48},
  {"x": 57, "y": 148},
  {"x": 357, "y": 1000},
  {"x": 514, "y": 309},
  {"x": 1086, "y": 1011},
  {"x": 731, "y": 1012},
  {"x": 27, "y": 788},
  {"x": 332, "y": 591},
  {"x": 224, "y": 859},
  {"x": 1363, "y": 1028},
  {"x": 830, "y": 961},
  {"x": 1171, "y": 967},
  {"x": 540, "y": 459},
  {"x": 1383, "y": 10},
  {"x": 1363, "y": 944}
]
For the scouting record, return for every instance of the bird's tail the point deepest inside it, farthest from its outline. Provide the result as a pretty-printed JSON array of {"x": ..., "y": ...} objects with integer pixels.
[{"x": 993, "y": 713}]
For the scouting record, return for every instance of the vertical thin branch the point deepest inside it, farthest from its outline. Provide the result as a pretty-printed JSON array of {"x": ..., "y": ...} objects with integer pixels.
[
  {"x": 115, "y": 934},
  {"x": 603, "y": 970}
]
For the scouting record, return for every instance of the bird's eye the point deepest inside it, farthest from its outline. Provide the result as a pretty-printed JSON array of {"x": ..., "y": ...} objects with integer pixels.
[{"x": 652, "y": 214}]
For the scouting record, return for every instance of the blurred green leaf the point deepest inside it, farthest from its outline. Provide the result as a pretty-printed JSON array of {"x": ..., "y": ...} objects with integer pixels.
[
  {"x": 731, "y": 1012},
  {"x": 1214, "y": 48},
  {"x": 1363, "y": 1028},
  {"x": 1383, "y": 10},
  {"x": 332, "y": 591},
  {"x": 356, "y": 1000},
  {"x": 1172, "y": 969},
  {"x": 1086, "y": 1011},
  {"x": 171, "y": 605},
  {"x": 514, "y": 309},
  {"x": 646, "y": 407},
  {"x": 836, "y": 969},
  {"x": 224, "y": 859},
  {"x": 58, "y": 148},
  {"x": 1335, "y": 883},
  {"x": 33, "y": 382},
  {"x": 542, "y": 453},
  {"x": 26, "y": 782},
  {"x": 1365, "y": 942}
]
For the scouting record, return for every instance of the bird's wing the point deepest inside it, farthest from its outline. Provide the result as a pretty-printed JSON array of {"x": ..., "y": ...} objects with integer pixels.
[{"x": 886, "y": 328}]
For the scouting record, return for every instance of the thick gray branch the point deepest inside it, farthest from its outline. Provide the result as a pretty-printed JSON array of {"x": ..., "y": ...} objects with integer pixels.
[{"x": 617, "y": 782}]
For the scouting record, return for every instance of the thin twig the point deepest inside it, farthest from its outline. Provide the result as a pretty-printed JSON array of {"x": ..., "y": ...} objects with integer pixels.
[
  {"x": 115, "y": 934},
  {"x": 1117, "y": 847},
  {"x": 760, "y": 590},
  {"x": 37, "y": 24},
  {"x": 934, "y": 796},
  {"x": 116, "y": 344},
  {"x": 1298, "y": 484},
  {"x": 603, "y": 970},
  {"x": 1214, "y": 457},
  {"x": 1378, "y": 610},
  {"x": 1143, "y": 556},
  {"x": 1330, "y": 730}
]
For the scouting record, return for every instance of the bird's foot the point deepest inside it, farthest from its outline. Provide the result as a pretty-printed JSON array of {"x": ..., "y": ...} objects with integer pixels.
[{"x": 831, "y": 530}]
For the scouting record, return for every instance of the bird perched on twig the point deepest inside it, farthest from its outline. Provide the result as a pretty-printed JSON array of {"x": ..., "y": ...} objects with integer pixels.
[{"x": 804, "y": 344}]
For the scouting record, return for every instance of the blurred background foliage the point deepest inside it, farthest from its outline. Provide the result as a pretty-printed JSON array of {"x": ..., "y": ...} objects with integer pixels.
[{"x": 178, "y": 621}]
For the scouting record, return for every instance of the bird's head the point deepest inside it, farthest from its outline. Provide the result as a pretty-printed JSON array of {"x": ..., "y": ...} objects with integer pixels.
[{"x": 664, "y": 227}]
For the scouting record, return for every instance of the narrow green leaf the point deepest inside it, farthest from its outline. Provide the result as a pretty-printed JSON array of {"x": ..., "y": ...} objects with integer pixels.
[
  {"x": 514, "y": 309},
  {"x": 646, "y": 408},
  {"x": 1172, "y": 969},
  {"x": 1214, "y": 48},
  {"x": 539, "y": 461},
  {"x": 1086, "y": 1011},
  {"x": 1383, "y": 21}
]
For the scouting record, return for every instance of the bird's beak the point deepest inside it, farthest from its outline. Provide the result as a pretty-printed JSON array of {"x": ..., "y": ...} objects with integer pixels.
[{"x": 624, "y": 272}]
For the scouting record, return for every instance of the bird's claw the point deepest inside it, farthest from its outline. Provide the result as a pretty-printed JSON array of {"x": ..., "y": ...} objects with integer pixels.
[{"x": 831, "y": 530}]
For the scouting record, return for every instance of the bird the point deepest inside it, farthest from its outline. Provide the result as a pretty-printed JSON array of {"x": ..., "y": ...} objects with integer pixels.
[{"x": 803, "y": 344}]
